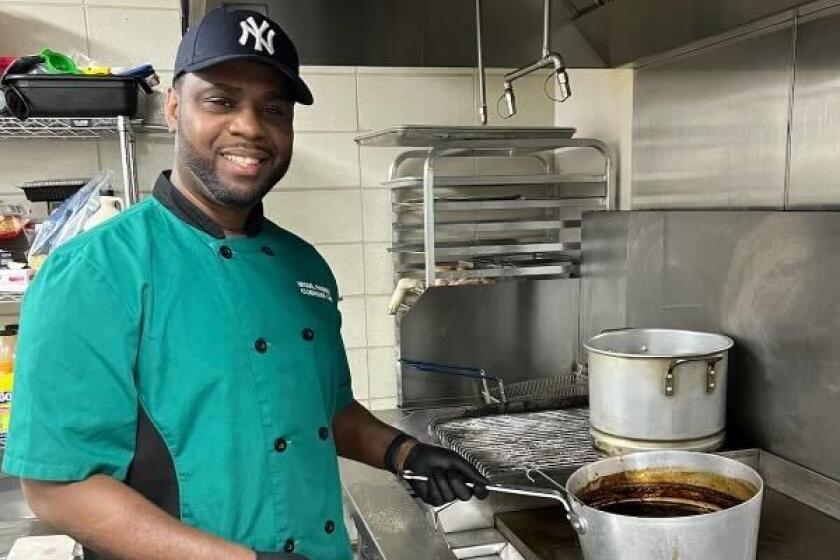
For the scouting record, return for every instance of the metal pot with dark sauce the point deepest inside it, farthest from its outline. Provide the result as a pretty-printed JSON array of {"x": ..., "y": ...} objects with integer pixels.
[{"x": 665, "y": 493}]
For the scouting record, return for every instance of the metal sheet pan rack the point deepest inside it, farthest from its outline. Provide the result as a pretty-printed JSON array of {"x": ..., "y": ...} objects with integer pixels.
[
  {"x": 509, "y": 210},
  {"x": 422, "y": 135},
  {"x": 82, "y": 128}
]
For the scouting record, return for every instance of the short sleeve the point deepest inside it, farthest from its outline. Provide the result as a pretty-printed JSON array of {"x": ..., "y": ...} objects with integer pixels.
[{"x": 74, "y": 405}]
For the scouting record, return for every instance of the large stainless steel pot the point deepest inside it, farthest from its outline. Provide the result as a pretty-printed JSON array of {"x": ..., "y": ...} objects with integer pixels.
[
  {"x": 729, "y": 534},
  {"x": 666, "y": 479},
  {"x": 657, "y": 388}
]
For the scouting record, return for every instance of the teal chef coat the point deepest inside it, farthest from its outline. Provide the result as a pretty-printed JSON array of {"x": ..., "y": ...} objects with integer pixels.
[{"x": 203, "y": 371}]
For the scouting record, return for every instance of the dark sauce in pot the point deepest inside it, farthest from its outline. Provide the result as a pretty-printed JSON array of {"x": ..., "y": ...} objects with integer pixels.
[{"x": 655, "y": 496}]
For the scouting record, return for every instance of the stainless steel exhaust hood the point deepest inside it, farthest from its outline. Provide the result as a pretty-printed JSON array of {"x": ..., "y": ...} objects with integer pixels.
[
  {"x": 419, "y": 32},
  {"x": 589, "y": 33},
  {"x": 625, "y": 31}
]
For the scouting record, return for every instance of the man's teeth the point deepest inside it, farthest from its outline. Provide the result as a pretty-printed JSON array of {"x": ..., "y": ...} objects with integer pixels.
[{"x": 241, "y": 160}]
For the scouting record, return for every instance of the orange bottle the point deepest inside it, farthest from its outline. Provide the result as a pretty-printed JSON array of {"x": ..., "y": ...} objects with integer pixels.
[{"x": 8, "y": 342}]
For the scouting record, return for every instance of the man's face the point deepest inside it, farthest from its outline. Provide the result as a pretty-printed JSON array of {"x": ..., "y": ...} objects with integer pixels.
[{"x": 234, "y": 130}]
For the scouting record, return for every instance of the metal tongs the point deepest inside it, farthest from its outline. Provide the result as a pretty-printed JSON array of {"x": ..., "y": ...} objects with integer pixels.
[{"x": 558, "y": 493}]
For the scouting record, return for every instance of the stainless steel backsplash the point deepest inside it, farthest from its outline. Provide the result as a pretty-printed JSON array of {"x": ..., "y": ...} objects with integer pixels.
[
  {"x": 767, "y": 279},
  {"x": 749, "y": 121},
  {"x": 518, "y": 330}
]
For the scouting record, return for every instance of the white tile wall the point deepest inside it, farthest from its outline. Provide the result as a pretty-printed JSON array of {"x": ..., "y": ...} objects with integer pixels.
[
  {"x": 172, "y": 4},
  {"x": 154, "y": 153},
  {"x": 353, "y": 324},
  {"x": 379, "y": 269},
  {"x": 121, "y": 36},
  {"x": 376, "y": 214},
  {"x": 323, "y": 159},
  {"x": 358, "y": 360},
  {"x": 348, "y": 265},
  {"x": 380, "y": 324},
  {"x": 381, "y": 368},
  {"x": 31, "y": 160},
  {"x": 27, "y": 28},
  {"x": 319, "y": 216},
  {"x": 41, "y": 2},
  {"x": 601, "y": 107},
  {"x": 386, "y": 99},
  {"x": 335, "y": 103}
]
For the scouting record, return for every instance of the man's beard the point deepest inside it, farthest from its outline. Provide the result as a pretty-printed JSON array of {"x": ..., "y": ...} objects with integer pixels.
[{"x": 214, "y": 188}]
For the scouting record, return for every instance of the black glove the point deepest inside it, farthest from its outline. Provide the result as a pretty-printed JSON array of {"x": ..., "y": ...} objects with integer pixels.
[
  {"x": 279, "y": 556},
  {"x": 448, "y": 474}
]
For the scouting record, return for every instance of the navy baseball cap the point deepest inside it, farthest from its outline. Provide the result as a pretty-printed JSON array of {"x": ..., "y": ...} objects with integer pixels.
[{"x": 224, "y": 35}]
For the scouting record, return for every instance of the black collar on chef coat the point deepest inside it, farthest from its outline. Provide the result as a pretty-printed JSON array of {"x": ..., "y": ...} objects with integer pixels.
[{"x": 167, "y": 194}]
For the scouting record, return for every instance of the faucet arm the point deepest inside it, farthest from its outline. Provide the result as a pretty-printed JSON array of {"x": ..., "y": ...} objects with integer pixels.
[
  {"x": 562, "y": 76},
  {"x": 525, "y": 70}
]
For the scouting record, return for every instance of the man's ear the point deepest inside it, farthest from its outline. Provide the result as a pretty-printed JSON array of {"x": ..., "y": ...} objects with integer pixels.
[{"x": 170, "y": 107}]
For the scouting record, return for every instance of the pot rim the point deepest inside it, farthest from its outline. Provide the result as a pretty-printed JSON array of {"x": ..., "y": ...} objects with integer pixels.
[
  {"x": 586, "y": 511},
  {"x": 726, "y": 343}
]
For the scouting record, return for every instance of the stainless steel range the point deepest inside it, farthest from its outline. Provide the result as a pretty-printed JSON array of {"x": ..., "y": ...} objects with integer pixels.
[{"x": 800, "y": 518}]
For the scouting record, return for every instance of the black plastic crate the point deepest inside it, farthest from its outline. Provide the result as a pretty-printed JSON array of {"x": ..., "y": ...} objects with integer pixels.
[
  {"x": 53, "y": 190},
  {"x": 48, "y": 95}
]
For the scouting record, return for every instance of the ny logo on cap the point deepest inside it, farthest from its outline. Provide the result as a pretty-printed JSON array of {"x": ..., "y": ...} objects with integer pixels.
[{"x": 249, "y": 27}]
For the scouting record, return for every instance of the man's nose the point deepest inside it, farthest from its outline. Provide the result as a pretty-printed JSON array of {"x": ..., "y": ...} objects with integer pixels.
[{"x": 246, "y": 122}]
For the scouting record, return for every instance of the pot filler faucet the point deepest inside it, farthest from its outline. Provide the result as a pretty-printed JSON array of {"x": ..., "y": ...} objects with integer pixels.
[{"x": 548, "y": 59}]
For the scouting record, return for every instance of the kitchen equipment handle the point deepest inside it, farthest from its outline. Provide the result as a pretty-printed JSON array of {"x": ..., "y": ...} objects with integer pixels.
[
  {"x": 564, "y": 497},
  {"x": 711, "y": 372},
  {"x": 461, "y": 371},
  {"x": 618, "y": 329}
]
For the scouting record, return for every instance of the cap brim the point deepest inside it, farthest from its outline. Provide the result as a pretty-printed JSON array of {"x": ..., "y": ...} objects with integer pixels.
[{"x": 301, "y": 91}]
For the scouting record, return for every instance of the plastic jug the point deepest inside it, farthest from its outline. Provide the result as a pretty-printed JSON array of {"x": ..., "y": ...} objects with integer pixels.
[
  {"x": 109, "y": 206},
  {"x": 8, "y": 342}
]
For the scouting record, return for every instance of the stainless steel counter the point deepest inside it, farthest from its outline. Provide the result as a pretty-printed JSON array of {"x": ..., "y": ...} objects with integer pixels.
[
  {"x": 801, "y": 516},
  {"x": 387, "y": 517}
]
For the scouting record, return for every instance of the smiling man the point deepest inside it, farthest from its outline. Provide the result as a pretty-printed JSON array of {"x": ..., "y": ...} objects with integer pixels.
[{"x": 182, "y": 386}]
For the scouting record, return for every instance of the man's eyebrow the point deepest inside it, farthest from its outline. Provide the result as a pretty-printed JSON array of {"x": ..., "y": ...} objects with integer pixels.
[
  {"x": 273, "y": 95},
  {"x": 222, "y": 85}
]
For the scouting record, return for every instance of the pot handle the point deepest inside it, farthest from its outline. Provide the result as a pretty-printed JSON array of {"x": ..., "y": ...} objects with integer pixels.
[
  {"x": 711, "y": 373},
  {"x": 564, "y": 497}
]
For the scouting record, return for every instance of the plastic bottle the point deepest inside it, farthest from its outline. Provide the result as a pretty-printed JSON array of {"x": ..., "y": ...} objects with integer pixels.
[{"x": 8, "y": 343}]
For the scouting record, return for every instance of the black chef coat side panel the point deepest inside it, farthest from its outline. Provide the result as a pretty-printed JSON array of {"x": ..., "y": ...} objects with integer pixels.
[{"x": 152, "y": 472}]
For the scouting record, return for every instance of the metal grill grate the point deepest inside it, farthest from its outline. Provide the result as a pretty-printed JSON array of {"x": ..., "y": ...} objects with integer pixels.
[
  {"x": 558, "y": 387},
  {"x": 506, "y": 444}
]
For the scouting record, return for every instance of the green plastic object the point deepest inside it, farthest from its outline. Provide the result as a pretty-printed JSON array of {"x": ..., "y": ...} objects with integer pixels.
[{"x": 58, "y": 63}]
